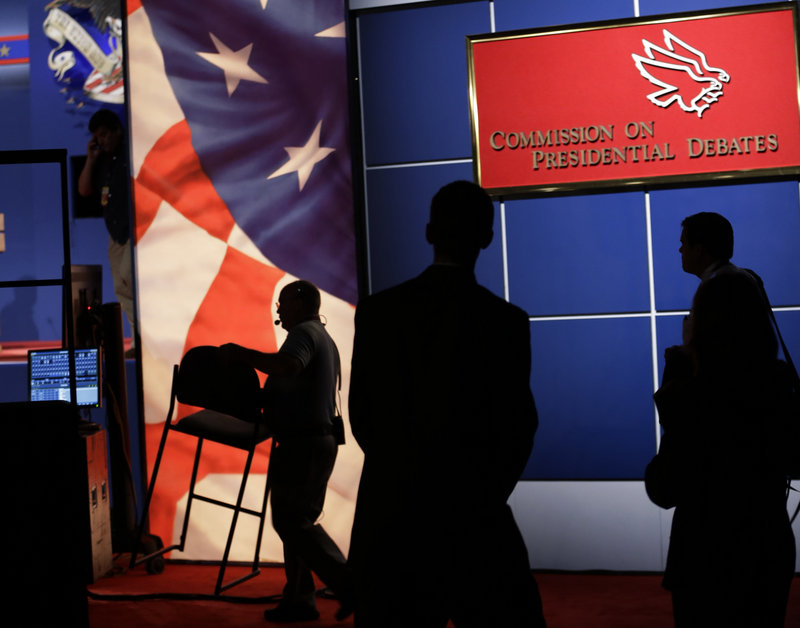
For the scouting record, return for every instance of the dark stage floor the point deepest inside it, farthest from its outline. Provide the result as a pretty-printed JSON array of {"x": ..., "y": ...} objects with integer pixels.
[{"x": 571, "y": 600}]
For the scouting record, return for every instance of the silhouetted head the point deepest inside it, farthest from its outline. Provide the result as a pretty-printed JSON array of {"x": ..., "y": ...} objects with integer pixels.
[
  {"x": 706, "y": 238},
  {"x": 460, "y": 223},
  {"x": 106, "y": 127},
  {"x": 298, "y": 302}
]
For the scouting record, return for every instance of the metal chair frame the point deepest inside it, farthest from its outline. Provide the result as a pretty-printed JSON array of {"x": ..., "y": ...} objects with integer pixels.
[{"x": 196, "y": 424}]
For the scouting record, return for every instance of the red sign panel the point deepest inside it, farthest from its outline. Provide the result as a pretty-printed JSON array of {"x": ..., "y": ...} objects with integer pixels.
[{"x": 652, "y": 100}]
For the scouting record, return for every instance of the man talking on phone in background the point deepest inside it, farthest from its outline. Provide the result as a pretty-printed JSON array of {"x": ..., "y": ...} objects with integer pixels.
[{"x": 105, "y": 176}]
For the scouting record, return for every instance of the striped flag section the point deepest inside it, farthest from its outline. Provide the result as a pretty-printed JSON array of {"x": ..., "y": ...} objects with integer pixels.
[{"x": 241, "y": 182}]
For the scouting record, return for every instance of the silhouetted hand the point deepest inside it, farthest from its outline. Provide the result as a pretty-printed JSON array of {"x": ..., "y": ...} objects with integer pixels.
[
  {"x": 231, "y": 352},
  {"x": 678, "y": 363},
  {"x": 93, "y": 150}
]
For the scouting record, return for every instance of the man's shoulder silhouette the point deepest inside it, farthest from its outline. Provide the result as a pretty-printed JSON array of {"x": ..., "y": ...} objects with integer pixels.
[{"x": 441, "y": 285}]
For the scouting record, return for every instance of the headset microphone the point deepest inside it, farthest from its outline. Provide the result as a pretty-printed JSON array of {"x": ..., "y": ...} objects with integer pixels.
[{"x": 278, "y": 322}]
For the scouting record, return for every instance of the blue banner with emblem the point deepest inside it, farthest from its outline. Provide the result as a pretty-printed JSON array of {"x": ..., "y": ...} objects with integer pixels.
[{"x": 86, "y": 50}]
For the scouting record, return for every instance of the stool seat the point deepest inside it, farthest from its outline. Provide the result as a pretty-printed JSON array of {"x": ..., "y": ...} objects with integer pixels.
[{"x": 222, "y": 428}]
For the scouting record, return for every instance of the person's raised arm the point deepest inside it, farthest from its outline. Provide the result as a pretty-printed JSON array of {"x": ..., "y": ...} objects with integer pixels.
[
  {"x": 280, "y": 364},
  {"x": 85, "y": 183}
]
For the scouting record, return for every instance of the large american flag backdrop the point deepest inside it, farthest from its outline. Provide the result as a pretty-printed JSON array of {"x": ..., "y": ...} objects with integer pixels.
[{"x": 241, "y": 182}]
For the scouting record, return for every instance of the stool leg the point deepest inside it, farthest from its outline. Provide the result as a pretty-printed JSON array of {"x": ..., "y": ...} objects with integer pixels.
[
  {"x": 195, "y": 466},
  {"x": 149, "y": 496},
  {"x": 236, "y": 510}
]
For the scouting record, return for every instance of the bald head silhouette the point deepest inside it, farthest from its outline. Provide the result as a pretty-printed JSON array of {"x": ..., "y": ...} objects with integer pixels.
[{"x": 460, "y": 224}]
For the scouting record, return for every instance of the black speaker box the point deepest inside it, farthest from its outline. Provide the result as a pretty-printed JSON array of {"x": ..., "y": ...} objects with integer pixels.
[{"x": 48, "y": 546}]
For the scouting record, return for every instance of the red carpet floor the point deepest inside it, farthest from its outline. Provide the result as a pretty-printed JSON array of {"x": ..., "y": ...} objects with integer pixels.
[{"x": 136, "y": 599}]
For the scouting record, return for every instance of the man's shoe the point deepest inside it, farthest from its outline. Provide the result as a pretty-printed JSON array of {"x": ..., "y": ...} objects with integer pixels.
[{"x": 288, "y": 613}]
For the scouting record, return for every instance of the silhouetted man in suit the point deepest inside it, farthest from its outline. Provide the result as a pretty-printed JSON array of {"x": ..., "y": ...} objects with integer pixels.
[
  {"x": 723, "y": 405},
  {"x": 440, "y": 402}
]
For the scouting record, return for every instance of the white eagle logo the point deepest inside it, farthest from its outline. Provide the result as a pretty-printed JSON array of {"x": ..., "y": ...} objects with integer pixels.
[{"x": 682, "y": 73}]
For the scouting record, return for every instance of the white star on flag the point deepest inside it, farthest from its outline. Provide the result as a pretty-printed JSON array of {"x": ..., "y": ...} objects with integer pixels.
[
  {"x": 233, "y": 64},
  {"x": 334, "y": 31},
  {"x": 303, "y": 158}
]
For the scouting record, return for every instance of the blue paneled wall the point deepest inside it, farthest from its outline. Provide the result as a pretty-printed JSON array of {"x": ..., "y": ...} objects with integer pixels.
[
  {"x": 599, "y": 274},
  {"x": 38, "y": 113}
]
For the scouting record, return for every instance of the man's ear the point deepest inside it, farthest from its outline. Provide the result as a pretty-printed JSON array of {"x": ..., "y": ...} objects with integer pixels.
[
  {"x": 486, "y": 240},
  {"x": 430, "y": 235}
]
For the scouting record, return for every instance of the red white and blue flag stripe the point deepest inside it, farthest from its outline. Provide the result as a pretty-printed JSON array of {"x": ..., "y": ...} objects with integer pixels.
[{"x": 241, "y": 181}]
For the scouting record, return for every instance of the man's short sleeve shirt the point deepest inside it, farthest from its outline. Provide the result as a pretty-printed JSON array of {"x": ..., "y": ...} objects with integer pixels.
[{"x": 306, "y": 403}]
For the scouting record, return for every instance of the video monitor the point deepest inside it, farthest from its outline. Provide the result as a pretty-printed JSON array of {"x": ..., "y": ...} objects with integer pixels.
[{"x": 48, "y": 376}]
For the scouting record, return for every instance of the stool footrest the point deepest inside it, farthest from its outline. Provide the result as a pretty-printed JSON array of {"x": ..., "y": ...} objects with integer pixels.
[
  {"x": 141, "y": 559},
  {"x": 216, "y": 502}
]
